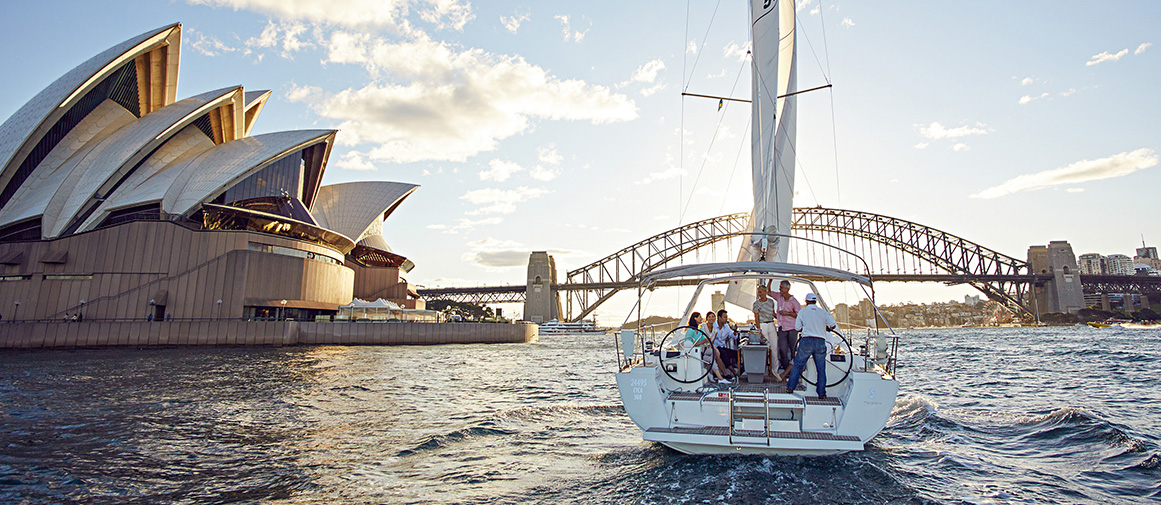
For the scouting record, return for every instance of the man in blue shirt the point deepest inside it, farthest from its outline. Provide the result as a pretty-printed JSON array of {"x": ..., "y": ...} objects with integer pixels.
[{"x": 813, "y": 323}]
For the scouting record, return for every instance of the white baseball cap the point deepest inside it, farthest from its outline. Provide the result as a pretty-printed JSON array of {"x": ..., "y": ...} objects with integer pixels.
[{"x": 811, "y": 297}]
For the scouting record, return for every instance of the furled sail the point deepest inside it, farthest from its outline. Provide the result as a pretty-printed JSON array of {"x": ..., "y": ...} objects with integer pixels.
[{"x": 772, "y": 138}]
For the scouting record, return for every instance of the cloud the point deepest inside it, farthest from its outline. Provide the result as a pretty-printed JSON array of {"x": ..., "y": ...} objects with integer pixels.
[
  {"x": 1116, "y": 165},
  {"x": 1075, "y": 190},
  {"x": 1067, "y": 93},
  {"x": 922, "y": 145},
  {"x": 1141, "y": 48},
  {"x": 733, "y": 50},
  {"x": 354, "y": 160},
  {"x": 847, "y": 23},
  {"x": 549, "y": 155},
  {"x": 937, "y": 131},
  {"x": 390, "y": 14},
  {"x": 492, "y": 253},
  {"x": 691, "y": 48},
  {"x": 648, "y": 72},
  {"x": 464, "y": 225},
  {"x": 446, "y": 103},
  {"x": 576, "y": 35},
  {"x": 1105, "y": 56},
  {"x": 284, "y": 34},
  {"x": 499, "y": 171},
  {"x": 513, "y": 23},
  {"x": 662, "y": 175},
  {"x": 498, "y": 201},
  {"x": 207, "y": 45},
  {"x": 1024, "y": 100},
  {"x": 960, "y": 147},
  {"x": 1027, "y": 80}
]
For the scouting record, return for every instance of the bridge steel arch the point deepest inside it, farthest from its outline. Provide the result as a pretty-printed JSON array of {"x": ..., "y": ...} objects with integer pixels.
[
  {"x": 630, "y": 263},
  {"x": 999, "y": 276},
  {"x": 880, "y": 238}
]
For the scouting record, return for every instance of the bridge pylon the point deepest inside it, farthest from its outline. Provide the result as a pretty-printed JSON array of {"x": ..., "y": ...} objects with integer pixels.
[{"x": 541, "y": 299}]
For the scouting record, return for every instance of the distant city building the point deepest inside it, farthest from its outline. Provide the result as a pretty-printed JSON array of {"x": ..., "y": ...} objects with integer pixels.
[
  {"x": 1119, "y": 264},
  {"x": 1147, "y": 252},
  {"x": 972, "y": 300},
  {"x": 1143, "y": 269},
  {"x": 1092, "y": 264}
]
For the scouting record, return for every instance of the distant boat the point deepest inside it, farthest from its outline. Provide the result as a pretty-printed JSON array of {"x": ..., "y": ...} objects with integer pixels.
[{"x": 567, "y": 328}]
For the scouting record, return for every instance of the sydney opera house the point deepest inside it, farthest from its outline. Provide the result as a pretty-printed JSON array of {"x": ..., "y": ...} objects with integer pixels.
[{"x": 118, "y": 201}]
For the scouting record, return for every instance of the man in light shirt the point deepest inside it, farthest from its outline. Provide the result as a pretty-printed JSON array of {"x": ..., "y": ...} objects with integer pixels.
[
  {"x": 814, "y": 323},
  {"x": 788, "y": 308},
  {"x": 765, "y": 322}
]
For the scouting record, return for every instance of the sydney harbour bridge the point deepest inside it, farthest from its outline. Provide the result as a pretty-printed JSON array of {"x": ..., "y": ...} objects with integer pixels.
[{"x": 895, "y": 250}]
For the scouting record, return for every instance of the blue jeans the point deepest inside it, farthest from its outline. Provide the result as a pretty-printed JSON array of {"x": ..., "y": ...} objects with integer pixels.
[{"x": 808, "y": 347}]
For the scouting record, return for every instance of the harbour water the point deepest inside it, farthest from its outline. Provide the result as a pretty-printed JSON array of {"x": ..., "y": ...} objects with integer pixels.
[{"x": 1012, "y": 415}]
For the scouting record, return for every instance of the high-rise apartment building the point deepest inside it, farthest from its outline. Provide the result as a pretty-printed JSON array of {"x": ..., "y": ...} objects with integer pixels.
[
  {"x": 1092, "y": 264},
  {"x": 1119, "y": 264}
]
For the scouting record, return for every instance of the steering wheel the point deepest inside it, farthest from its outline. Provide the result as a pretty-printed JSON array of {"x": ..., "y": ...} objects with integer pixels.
[
  {"x": 686, "y": 347},
  {"x": 832, "y": 367}
]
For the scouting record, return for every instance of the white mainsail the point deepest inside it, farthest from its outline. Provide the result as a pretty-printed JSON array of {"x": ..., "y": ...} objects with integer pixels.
[{"x": 772, "y": 137}]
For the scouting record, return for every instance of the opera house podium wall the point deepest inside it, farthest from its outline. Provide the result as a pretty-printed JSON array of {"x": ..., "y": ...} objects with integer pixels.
[{"x": 161, "y": 270}]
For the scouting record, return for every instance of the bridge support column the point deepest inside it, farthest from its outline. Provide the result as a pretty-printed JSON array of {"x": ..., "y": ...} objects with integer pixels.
[
  {"x": 1144, "y": 301},
  {"x": 1063, "y": 293},
  {"x": 1105, "y": 305},
  {"x": 541, "y": 301}
]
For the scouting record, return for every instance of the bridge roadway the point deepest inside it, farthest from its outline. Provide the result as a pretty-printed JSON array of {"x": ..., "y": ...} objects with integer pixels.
[{"x": 514, "y": 293}]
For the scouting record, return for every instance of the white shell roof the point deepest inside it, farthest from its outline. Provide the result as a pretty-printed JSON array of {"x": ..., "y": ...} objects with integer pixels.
[
  {"x": 28, "y": 120},
  {"x": 352, "y": 208},
  {"x": 119, "y": 151},
  {"x": 211, "y": 173},
  {"x": 30, "y": 200},
  {"x": 187, "y": 144}
]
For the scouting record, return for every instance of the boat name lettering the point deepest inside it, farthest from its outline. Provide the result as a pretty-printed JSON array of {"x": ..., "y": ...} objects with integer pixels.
[{"x": 638, "y": 382}]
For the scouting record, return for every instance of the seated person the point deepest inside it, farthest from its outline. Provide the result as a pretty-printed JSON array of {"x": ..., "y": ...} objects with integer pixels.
[
  {"x": 711, "y": 328},
  {"x": 695, "y": 337},
  {"x": 726, "y": 341}
]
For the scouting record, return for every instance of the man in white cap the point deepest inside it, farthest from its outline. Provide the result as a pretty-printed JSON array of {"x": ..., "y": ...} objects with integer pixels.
[{"x": 813, "y": 323}]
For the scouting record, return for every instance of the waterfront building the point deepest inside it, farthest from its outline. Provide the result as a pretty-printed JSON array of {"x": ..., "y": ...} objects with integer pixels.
[
  {"x": 1119, "y": 264},
  {"x": 1147, "y": 252},
  {"x": 1092, "y": 264},
  {"x": 118, "y": 201},
  {"x": 971, "y": 300}
]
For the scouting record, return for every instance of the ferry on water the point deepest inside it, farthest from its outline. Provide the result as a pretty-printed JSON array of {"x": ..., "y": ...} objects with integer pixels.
[{"x": 555, "y": 327}]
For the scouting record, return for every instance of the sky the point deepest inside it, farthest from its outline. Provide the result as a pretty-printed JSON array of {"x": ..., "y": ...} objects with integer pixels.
[{"x": 560, "y": 126}]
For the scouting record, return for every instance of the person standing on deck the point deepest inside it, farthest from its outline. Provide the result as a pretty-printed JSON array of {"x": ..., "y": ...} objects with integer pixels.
[
  {"x": 765, "y": 322},
  {"x": 788, "y": 308},
  {"x": 813, "y": 322}
]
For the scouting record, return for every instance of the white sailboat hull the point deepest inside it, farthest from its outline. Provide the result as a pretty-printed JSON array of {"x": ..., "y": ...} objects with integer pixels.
[{"x": 757, "y": 419}]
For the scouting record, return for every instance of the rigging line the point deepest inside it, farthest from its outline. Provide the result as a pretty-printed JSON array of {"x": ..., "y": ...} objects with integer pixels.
[
  {"x": 681, "y": 131},
  {"x": 741, "y": 148},
  {"x": 825, "y": 71},
  {"x": 684, "y": 37},
  {"x": 704, "y": 40},
  {"x": 825, "y": 46},
  {"x": 721, "y": 119},
  {"x": 833, "y": 126}
]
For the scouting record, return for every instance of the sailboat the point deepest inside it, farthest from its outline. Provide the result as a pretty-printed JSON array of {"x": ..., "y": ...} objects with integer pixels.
[{"x": 665, "y": 379}]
